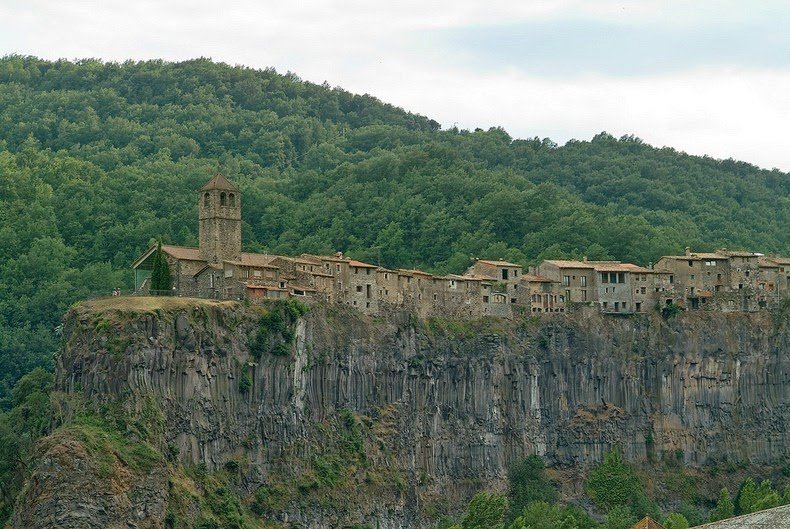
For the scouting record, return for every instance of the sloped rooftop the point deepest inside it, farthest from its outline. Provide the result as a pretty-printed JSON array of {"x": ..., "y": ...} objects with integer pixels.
[
  {"x": 775, "y": 518},
  {"x": 218, "y": 181}
]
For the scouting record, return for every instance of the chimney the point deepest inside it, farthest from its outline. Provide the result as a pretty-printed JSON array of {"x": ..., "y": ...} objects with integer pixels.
[
  {"x": 650, "y": 265},
  {"x": 688, "y": 250},
  {"x": 584, "y": 258}
]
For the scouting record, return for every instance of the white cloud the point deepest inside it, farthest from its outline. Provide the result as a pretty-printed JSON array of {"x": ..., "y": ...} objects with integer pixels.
[{"x": 369, "y": 47}]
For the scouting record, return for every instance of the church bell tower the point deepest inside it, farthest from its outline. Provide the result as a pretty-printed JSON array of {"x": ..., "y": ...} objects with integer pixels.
[{"x": 219, "y": 215}]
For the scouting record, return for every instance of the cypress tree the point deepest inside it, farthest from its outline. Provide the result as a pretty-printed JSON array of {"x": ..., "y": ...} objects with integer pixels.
[{"x": 160, "y": 275}]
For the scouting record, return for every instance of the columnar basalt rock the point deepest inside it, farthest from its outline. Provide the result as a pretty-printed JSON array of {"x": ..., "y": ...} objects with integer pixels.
[{"x": 447, "y": 406}]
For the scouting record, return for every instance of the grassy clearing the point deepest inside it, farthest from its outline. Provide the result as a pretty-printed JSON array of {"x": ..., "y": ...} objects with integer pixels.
[{"x": 148, "y": 304}]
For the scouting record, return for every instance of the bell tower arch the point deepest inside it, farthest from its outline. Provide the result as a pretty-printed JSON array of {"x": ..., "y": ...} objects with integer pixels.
[{"x": 219, "y": 218}]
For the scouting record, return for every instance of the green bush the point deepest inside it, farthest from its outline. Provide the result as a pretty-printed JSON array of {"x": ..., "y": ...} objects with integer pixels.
[
  {"x": 675, "y": 521},
  {"x": 614, "y": 484},
  {"x": 245, "y": 383},
  {"x": 528, "y": 483}
]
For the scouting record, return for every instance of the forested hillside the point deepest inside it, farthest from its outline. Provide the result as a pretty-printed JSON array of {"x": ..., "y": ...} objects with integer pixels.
[{"x": 99, "y": 159}]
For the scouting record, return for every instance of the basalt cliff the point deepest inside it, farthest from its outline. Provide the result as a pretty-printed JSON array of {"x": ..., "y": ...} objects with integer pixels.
[{"x": 169, "y": 412}]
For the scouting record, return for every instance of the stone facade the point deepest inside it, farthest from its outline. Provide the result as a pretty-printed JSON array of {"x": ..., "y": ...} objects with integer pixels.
[
  {"x": 724, "y": 280},
  {"x": 219, "y": 217}
]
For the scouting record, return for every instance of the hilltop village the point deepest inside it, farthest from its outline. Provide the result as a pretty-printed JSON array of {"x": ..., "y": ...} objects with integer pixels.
[{"x": 724, "y": 280}]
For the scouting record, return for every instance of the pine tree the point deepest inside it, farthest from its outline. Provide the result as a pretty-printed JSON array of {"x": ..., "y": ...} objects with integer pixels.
[
  {"x": 725, "y": 508},
  {"x": 160, "y": 275}
]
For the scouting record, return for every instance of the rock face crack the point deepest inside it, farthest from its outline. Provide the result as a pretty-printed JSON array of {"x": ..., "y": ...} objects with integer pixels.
[{"x": 445, "y": 405}]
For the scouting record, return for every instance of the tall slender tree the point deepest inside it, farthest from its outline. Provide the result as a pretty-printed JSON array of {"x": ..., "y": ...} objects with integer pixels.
[{"x": 160, "y": 275}]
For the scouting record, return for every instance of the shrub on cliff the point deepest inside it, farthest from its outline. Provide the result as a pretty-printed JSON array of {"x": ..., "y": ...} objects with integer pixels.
[
  {"x": 528, "y": 483},
  {"x": 614, "y": 484}
]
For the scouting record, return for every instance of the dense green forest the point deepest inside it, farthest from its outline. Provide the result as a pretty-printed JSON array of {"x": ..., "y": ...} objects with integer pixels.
[{"x": 98, "y": 159}]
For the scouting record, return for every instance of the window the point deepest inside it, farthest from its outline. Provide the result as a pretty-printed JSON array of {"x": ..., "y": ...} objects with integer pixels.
[
  {"x": 282, "y": 284},
  {"x": 485, "y": 299},
  {"x": 583, "y": 281},
  {"x": 604, "y": 277},
  {"x": 691, "y": 276},
  {"x": 691, "y": 263},
  {"x": 566, "y": 281},
  {"x": 671, "y": 279},
  {"x": 605, "y": 304},
  {"x": 621, "y": 277},
  {"x": 747, "y": 273},
  {"x": 584, "y": 295},
  {"x": 359, "y": 288},
  {"x": 232, "y": 198},
  {"x": 515, "y": 273},
  {"x": 337, "y": 267},
  {"x": 504, "y": 274},
  {"x": 222, "y": 199},
  {"x": 568, "y": 294},
  {"x": 643, "y": 290},
  {"x": 207, "y": 199}
]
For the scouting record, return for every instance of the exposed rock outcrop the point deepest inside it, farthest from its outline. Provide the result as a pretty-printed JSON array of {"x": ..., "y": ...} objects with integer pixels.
[{"x": 425, "y": 411}]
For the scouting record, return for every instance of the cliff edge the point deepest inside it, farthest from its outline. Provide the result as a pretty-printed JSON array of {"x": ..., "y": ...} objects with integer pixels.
[{"x": 329, "y": 418}]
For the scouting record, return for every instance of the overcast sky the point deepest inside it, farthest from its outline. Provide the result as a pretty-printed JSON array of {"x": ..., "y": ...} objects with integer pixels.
[{"x": 703, "y": 77}]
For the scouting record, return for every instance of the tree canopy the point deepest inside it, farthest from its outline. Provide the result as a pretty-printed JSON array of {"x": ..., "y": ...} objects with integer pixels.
[{"x": 98, "y": 160}]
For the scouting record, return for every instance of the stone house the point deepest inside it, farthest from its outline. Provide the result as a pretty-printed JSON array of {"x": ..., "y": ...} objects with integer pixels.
[
  {"x": 539, "y": 294},
  {"x": 362, "y": 288},
  {"x": 505, "y": 278},
  {"x": 723, "y": 280},
  {"x": 614, "y": 287},
  {"x": 773, "y": 279},
  {"x": 576, "y": 278}
]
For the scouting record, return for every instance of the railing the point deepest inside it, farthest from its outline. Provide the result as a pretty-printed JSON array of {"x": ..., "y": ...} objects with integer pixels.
[{"x": 187, "y": 293}]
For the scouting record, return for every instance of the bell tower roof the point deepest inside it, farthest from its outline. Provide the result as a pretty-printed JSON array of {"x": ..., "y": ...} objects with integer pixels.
[{"x": 218, "y": 181}]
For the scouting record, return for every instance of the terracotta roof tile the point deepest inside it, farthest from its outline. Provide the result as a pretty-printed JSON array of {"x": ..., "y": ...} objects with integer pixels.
[
  {"x": 182, "y": 252},
  {"x": 218, "y": 181},
  {"x": 647, "y": 523},
  {"x": 498, "y": 263},
  {"x": 563, "y": 263},
  {"x": 360, "y": 264},
  {"x": 531, "y": 278}
]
